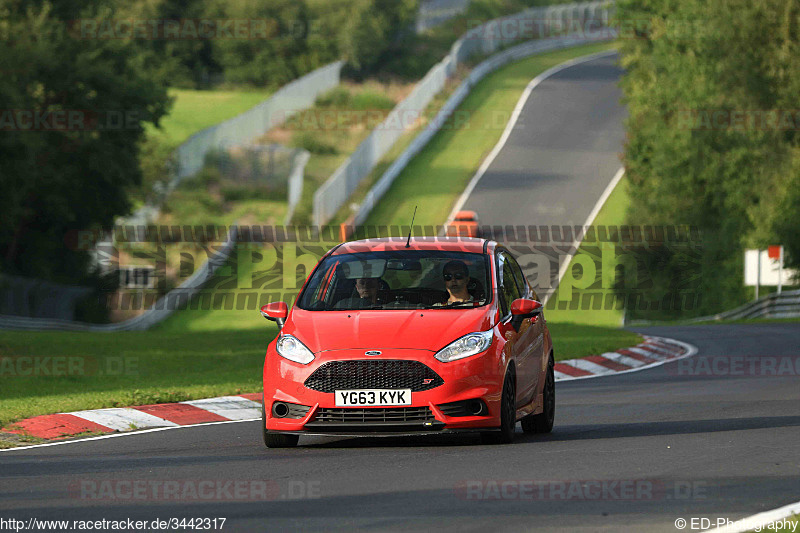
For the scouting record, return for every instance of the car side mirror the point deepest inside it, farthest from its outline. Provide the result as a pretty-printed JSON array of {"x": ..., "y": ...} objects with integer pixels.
[
  {"x": 277, "y": 311},
  {"x": 524, "y": 308}
]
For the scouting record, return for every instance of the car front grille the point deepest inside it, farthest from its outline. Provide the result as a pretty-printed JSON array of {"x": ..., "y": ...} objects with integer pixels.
[
  {"x": 373, "y": 374},
  {"x": 374, "y": 415}
]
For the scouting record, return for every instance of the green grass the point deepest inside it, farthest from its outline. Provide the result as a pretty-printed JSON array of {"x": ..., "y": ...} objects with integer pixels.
[
  {"x": 572, "y": 341},
  {"x": 611, "y": 214},
  {"x": 217, "y": 320},
  {"x": 437, "y": 176},
  {"x": 165, "y": 366},
  {"x": 138, "y": 368},
  {"x": 193, "y": 111}
]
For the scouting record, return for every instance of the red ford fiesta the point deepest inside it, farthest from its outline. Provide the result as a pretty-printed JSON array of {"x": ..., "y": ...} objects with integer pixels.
[{"x": 397, "y": 337}]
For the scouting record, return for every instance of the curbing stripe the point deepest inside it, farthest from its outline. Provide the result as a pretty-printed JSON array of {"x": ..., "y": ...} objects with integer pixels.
[
  {"x": 122, "y": 418},
  {"x": 54, "y": 427},
  {"x": 636, "y": 355},
  {"x": 608, "y": 363},
  {"x": 559, "y": 375},
  {"x": 624, "y": 359},
  {"x": 229, "y": 407},
  {"x": 592, "y": 368},
  {"x": 659, "y": 351},
  {"x": 181, "y": 413},
  {"x": 565, "y": 369},
  {"x": 650, "y": 353},
  {"x": 633, "y": 357}
]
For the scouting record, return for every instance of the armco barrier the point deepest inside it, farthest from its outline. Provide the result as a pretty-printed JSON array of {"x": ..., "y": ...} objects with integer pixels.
[
  {"x": 163, "y": 308},
  {"x": 783, "y": 305},
  {"x": 482, "y": 40}
]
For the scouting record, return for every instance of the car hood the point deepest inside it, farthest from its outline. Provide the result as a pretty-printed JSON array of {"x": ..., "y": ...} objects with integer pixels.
[{"x": 380, "y": 330}]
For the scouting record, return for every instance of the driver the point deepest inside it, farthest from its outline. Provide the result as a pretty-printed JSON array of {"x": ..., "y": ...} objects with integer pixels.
[{"x": 456, "y": 277}]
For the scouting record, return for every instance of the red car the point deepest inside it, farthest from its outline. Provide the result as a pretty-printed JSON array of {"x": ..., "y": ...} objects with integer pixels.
[
  {"x": 389, "y": 337},
  {"x": 465, "y": 224}
]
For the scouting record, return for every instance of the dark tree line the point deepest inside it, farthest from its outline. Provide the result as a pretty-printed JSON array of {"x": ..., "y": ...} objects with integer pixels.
[{"x": 713, "y": 89}]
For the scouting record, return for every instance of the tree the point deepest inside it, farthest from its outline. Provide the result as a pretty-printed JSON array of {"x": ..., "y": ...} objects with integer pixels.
[
  {"x": 704, "y": 78},
  {"x": 74, "y": 111}
]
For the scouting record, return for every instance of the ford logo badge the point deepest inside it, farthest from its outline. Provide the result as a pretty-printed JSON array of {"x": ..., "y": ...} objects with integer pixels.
[{"x": 372, "y": 352}]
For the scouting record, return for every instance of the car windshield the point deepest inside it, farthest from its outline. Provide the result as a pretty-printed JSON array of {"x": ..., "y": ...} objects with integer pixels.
[{"x": 409, "y": 279}]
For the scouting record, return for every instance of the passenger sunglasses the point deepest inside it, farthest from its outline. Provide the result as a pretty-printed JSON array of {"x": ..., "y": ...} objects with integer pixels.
[{"x": 457, "y": 275}]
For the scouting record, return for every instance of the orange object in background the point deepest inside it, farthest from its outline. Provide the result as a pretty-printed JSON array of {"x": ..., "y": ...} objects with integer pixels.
[{"x": 465, "y": 224}]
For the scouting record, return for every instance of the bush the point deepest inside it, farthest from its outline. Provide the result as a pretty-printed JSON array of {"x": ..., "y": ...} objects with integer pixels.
[
  {"x": 308, "y": 141},
  {"x": 236, "y": 192},
  {"x": 336, "y": 97},
  {"x": 369, "y": 100}
]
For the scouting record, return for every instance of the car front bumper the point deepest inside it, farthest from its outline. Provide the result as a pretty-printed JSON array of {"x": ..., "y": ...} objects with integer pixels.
[{"x": 478, "y": 377}]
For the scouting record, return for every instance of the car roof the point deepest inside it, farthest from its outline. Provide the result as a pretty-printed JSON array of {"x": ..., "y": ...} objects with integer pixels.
[
  {"x": 453, "y": 244},
  {"x": 471, "y": 215}
]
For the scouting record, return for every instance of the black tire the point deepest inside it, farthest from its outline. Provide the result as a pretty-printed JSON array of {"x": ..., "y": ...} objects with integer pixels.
[
  {"x": 508, "y": 415},
  {"x": 276, "y": 440},
  {"x": 543, "y": 422}
]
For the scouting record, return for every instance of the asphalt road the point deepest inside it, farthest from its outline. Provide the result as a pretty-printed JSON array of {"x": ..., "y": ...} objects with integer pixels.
[
  {"x": 564, "y": 150},
  {"x": 561, "y": 155},
  {"x": 679, "y": 440}
]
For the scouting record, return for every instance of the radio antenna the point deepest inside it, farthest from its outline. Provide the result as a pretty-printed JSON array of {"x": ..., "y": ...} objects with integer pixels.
[{"x": 411, "y": 229}]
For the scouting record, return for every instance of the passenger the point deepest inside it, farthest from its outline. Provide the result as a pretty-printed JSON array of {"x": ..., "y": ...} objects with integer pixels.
[
  {"x": 456, "y": 278},
  {"x": 367, "y": 289}
]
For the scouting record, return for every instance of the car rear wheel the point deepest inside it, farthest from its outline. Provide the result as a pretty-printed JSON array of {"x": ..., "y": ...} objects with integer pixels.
[
  {"x": 276, "y": 440},
  {"x": 508, "y": 415},
  {"x": 543, "y": 422}
]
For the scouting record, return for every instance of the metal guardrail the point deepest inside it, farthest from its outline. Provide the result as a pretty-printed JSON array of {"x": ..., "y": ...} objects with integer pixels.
[
  {"x": 783, "y": 305},
  {"x": 482, "y": 40},
  {"x": 163, "y": 308}
]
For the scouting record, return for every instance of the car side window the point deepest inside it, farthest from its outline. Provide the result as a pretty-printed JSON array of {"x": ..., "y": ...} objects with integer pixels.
[
  {"x": 508, "y": 285},
  {"x": 519, "y": 277}
]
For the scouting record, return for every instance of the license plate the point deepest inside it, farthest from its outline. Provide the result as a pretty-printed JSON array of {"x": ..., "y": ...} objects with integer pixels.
[{"x": 372, "y": 397}]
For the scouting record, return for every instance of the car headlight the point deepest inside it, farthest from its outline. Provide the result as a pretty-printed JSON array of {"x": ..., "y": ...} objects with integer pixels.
[
  {"x": 293, "y": 350},
  {"x": 471, "y": 344}
]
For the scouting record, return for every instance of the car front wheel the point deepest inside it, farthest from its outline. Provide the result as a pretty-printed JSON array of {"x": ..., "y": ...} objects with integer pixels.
[{"x": 508, "y": 415}]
